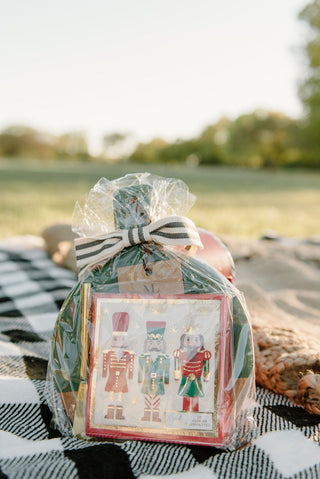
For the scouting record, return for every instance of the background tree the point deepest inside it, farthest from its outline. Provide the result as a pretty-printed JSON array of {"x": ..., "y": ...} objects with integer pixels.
[
  {"x": 310, "y": 88},
  {"x": 73, "y": 145},
  {"x": 26, "y": 142},
  {"x": 263, "y": 139},
  {"x": 116, "y": 146},
  {"x": 149, "y": 152}
]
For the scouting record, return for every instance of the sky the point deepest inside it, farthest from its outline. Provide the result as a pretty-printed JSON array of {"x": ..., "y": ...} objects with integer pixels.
[{"x": 149, "y": 68}]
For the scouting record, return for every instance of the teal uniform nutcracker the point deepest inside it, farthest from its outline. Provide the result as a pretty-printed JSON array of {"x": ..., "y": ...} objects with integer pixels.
[{"x": 153, "y": 370}]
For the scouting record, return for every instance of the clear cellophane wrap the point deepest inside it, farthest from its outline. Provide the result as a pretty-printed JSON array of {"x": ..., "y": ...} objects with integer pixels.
[{"x": 152, "y": 343}]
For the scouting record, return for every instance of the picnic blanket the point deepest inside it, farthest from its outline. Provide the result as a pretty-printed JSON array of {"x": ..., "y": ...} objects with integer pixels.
[{"x": 32, "y": 290}]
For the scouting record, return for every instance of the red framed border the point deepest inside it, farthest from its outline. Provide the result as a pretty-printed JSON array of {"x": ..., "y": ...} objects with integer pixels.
[{"x": 224, "y": 417}]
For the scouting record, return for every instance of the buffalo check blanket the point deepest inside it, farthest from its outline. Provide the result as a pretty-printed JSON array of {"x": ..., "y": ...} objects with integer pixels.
[{"x": 32, "y": 289}]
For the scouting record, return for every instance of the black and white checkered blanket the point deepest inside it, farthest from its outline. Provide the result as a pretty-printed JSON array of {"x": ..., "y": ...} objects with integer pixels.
[{"x": 32, "y": 290}]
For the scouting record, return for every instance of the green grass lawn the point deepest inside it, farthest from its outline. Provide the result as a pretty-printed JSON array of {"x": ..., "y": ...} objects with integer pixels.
[{"x": 232, "y": 201}]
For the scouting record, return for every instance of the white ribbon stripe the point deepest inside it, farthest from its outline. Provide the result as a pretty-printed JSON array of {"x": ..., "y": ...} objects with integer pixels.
[{"x": 172, "y": 230}]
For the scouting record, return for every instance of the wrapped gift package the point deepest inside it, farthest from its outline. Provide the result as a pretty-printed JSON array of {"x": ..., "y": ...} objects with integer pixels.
[{"x": 154, "y": 342}]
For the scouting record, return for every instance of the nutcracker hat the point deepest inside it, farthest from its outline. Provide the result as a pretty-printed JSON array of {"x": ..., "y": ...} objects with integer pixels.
[
  {"x": 120, "y": 323},
  {"x": 155, "y": 329},
  {"x": 192, "y": 329}
]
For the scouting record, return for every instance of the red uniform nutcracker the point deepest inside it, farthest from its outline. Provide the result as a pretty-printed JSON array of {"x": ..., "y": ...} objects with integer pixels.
[
  {"x": 118, "y": 364},
  {"x": 191, "y": 363}
]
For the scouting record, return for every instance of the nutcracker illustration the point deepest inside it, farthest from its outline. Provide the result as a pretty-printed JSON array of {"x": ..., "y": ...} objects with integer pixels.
[
  {"x": 191, "y": 363},
  {"x": 153, "y": 370},
  {"x": 118, "y": 364}
]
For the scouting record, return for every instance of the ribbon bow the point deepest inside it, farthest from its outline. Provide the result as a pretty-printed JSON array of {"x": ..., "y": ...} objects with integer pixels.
[{"x": 172, "y": 230}]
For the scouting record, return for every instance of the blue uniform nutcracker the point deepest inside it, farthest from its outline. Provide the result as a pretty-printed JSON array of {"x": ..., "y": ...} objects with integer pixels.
[{"x": 153, "y": 370}]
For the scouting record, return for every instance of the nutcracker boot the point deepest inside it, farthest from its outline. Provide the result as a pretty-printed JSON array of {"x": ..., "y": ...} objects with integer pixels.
[
  {"x": 186, "y": 403},
  {"x": 110, "y": 413},
  {"x": 195, "y": 404},
  {"x": 119, "y": 411},
  {"x": 147, "y": 415},
  {"x": 155, "y": 415}
]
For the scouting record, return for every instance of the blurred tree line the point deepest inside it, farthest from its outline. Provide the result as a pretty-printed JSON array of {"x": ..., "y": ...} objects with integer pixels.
[
  {"x": 256, "y": 139},
  {"x": 25, "y": 142}
]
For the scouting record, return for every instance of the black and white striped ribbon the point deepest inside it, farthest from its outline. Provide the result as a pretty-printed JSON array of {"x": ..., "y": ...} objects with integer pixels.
[{"x": 172, "y": 230}]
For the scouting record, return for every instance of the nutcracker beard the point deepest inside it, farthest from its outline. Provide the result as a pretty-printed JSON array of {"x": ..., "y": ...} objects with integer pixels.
[{"x": 192, "y": 352}]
